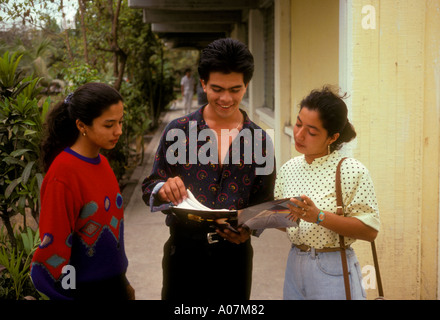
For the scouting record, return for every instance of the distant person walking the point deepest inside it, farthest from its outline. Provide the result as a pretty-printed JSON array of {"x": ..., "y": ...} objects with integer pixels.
[{"x": 187, "y": 89}]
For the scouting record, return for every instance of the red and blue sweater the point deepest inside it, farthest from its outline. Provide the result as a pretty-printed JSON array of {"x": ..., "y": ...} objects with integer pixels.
[{"x": 81, "y": 224}]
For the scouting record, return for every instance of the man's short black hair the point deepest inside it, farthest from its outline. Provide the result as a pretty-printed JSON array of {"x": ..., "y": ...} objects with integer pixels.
[{"x": 226, "y": 55}]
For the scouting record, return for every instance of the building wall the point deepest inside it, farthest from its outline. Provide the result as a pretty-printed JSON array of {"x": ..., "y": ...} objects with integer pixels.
[
  {"x": 431, "y": 154},
  {"x": 315, "y": 48},
  {"x": 395, "y": 113}
]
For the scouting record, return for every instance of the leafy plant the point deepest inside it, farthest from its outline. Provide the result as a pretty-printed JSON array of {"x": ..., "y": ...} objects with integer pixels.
[
  {"x": 78, "y": 74},
  {"x": 18, "y": 272},
  {"x": 20, "y": 134},
  {"x": 10, "y": 82},
  {"x": 30, "y": 240},
  {"x": 15, "y": 263}
]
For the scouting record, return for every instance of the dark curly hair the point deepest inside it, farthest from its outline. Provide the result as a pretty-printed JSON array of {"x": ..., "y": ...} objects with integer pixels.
[
  {"x": 226, "y": 55},
  {"x": 333, "y": 114},
  {"x": 85, "y": 104}
]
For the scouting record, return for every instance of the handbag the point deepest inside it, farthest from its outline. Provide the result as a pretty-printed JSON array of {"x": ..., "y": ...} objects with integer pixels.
[{"x": 340, "y": 211}]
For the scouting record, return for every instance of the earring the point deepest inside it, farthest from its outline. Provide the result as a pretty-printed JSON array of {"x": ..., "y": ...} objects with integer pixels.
[
  {"x": 84, "y": 134},
  {"x": 328, "y": 149}
]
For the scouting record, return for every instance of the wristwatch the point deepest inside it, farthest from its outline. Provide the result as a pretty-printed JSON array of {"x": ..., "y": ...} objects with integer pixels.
[{"x": 321, "y": 216}]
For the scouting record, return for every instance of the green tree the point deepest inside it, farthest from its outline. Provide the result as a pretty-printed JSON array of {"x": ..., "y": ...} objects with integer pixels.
[
  {"x": 148, "y": 70},
  {"x": 99, "y": 36},
  {"x": 110, "y": 44}
]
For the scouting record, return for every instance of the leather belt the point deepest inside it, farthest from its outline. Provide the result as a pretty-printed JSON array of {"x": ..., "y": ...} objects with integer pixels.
[
  {"x": 306, "y": 248},
  {"x": 198, "y": 235}
]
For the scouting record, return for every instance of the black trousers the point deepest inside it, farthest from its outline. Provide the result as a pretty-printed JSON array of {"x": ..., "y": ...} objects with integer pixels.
[{"x": 194, "y": 270}]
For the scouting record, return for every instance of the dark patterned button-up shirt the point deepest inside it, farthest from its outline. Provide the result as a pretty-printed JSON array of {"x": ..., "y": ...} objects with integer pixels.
[{"x": 188, "y": 149}]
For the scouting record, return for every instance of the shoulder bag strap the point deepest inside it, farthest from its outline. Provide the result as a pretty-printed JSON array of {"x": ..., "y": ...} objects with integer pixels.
[
  {"x": 376, "y": 267},
  {"x": 340, "y": 211}
]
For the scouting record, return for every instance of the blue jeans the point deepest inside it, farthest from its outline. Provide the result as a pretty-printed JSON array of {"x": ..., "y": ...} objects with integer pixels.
[{"x": 318, "y": 276}]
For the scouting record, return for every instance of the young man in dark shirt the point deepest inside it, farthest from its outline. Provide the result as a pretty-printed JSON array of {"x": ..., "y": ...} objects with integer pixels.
[{"x": 238, "y": 171}]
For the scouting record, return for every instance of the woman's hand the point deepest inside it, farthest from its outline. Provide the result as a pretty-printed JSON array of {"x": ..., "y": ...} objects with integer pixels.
[
  {"x": 305, "y": 209},
  {"x": 345, "y": 226}
]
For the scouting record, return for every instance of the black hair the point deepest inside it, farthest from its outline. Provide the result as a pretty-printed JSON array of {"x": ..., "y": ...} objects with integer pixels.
[
  {"x": 333, "y": 114},
  {"x": 226, "y": 55},
  {"x": 60, "y": 131}
]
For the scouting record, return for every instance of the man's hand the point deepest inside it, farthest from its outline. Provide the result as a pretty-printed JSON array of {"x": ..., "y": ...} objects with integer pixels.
[
  {"x": 173, "y": 191},
  {"x": 233, "y": 237}
]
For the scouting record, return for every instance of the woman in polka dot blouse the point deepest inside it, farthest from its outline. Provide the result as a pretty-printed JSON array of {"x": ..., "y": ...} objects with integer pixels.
[{"x": 314, "y": 268}]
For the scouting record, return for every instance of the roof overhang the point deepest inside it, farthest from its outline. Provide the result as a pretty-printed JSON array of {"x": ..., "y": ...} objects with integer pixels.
[{"x": 194, "y": 23}]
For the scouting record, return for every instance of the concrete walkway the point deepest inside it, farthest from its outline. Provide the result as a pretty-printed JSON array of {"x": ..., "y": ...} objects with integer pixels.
[{"x": 146, "y": 233}]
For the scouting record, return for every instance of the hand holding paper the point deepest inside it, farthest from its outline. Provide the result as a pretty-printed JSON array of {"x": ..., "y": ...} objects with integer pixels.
[{"x": 271, "y": 214}]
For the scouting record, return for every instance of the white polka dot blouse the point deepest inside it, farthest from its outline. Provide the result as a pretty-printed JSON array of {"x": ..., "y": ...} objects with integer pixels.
[{"x": 317, "y": 181}]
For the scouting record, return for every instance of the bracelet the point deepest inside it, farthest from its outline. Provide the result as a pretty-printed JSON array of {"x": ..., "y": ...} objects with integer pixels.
[{"x": 321, "y": 217}]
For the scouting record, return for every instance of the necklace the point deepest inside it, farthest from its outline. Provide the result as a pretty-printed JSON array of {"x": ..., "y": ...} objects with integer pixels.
[
  {"x": 227, "y": 132},
  {"x": 237, "y": 126},
  {"x": 232, "y": 132}
]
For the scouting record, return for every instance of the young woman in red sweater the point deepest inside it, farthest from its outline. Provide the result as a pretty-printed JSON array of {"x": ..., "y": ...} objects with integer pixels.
[{"x": 81, "y": 255}]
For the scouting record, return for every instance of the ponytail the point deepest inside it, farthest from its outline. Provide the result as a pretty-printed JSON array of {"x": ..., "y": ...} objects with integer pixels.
[{"x": 60, "y": 131}]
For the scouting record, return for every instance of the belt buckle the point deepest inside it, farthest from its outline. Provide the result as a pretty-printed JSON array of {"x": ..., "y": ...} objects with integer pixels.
[
  {"x": 210, "y": 239},
  {"x": 303, "y": 247}
]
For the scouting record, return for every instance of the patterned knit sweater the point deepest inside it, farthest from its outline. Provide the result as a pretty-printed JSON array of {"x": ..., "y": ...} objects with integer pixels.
[{"x": 81, "y": 225}]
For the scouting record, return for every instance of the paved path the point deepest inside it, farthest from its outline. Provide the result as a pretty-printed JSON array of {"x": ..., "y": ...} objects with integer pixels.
[{"x": 146, "y": 232}]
